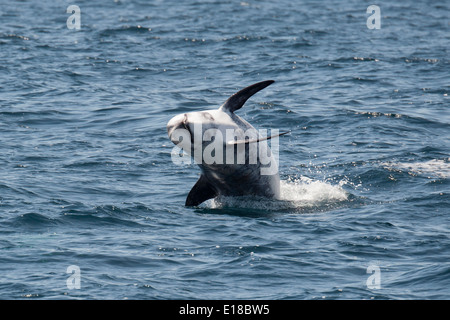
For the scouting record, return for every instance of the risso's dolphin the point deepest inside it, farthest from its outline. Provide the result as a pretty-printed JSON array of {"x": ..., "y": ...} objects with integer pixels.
[{"x": 233, "y": 156}]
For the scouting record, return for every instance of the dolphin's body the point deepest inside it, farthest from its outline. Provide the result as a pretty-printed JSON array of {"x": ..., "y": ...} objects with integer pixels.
[{"x": 228, "y": 176}]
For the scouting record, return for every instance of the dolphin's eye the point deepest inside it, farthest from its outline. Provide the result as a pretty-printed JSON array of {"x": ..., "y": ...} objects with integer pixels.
[{"x": 208, "y": 116}]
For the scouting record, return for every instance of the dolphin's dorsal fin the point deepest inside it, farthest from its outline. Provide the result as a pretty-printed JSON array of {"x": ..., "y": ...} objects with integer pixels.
[
  {"x": 201, "y": 191},
  {"x": 246, "y": 141},
  {"x": 237, "y": 100}
]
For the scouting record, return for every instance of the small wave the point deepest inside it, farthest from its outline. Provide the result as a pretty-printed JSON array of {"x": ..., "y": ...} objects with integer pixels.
[
  {"x": 375, "y": 114},
  {"x": 14, "y": 36},
  {"x": 297, "y": 195},
  {"x": 244, "y": 38},
  {"x": 355, "y": 59},
  {"x": 26, "y": 113},
  {"x": 410, "y": 119},
  {"x": 125, "y": 29},
  {"x": 420, "y": 60},
  {"x": 365, "y": 59},
  {"x": 436, "y": 167},
  {"x": 33, "y": 220},
  {"x": 98, "y": 215}
]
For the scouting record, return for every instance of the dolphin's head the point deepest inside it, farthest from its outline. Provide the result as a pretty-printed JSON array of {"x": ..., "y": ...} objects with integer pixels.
[
  {"x": 177, "y": 123},
  {"x": 194, "y": 130}
]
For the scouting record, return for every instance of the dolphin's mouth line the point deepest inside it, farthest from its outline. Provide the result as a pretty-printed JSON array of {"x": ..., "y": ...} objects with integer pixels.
[{"x": 185, "y": 126}]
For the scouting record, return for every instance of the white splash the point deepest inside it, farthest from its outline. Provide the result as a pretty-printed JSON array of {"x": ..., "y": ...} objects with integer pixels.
[
  {"x": 297, "y": 194},
  {"x": 309, "y": 191}
]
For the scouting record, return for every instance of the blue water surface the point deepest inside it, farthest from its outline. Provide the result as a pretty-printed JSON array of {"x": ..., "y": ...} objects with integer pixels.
[{"x": 86, "y": 177}]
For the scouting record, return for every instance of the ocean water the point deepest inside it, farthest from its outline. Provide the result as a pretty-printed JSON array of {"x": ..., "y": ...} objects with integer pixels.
[{"x": 92, "y": 207}]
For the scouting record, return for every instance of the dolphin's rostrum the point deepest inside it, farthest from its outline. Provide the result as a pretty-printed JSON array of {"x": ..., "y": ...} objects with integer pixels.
[{"x": 242, "y": 163}]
